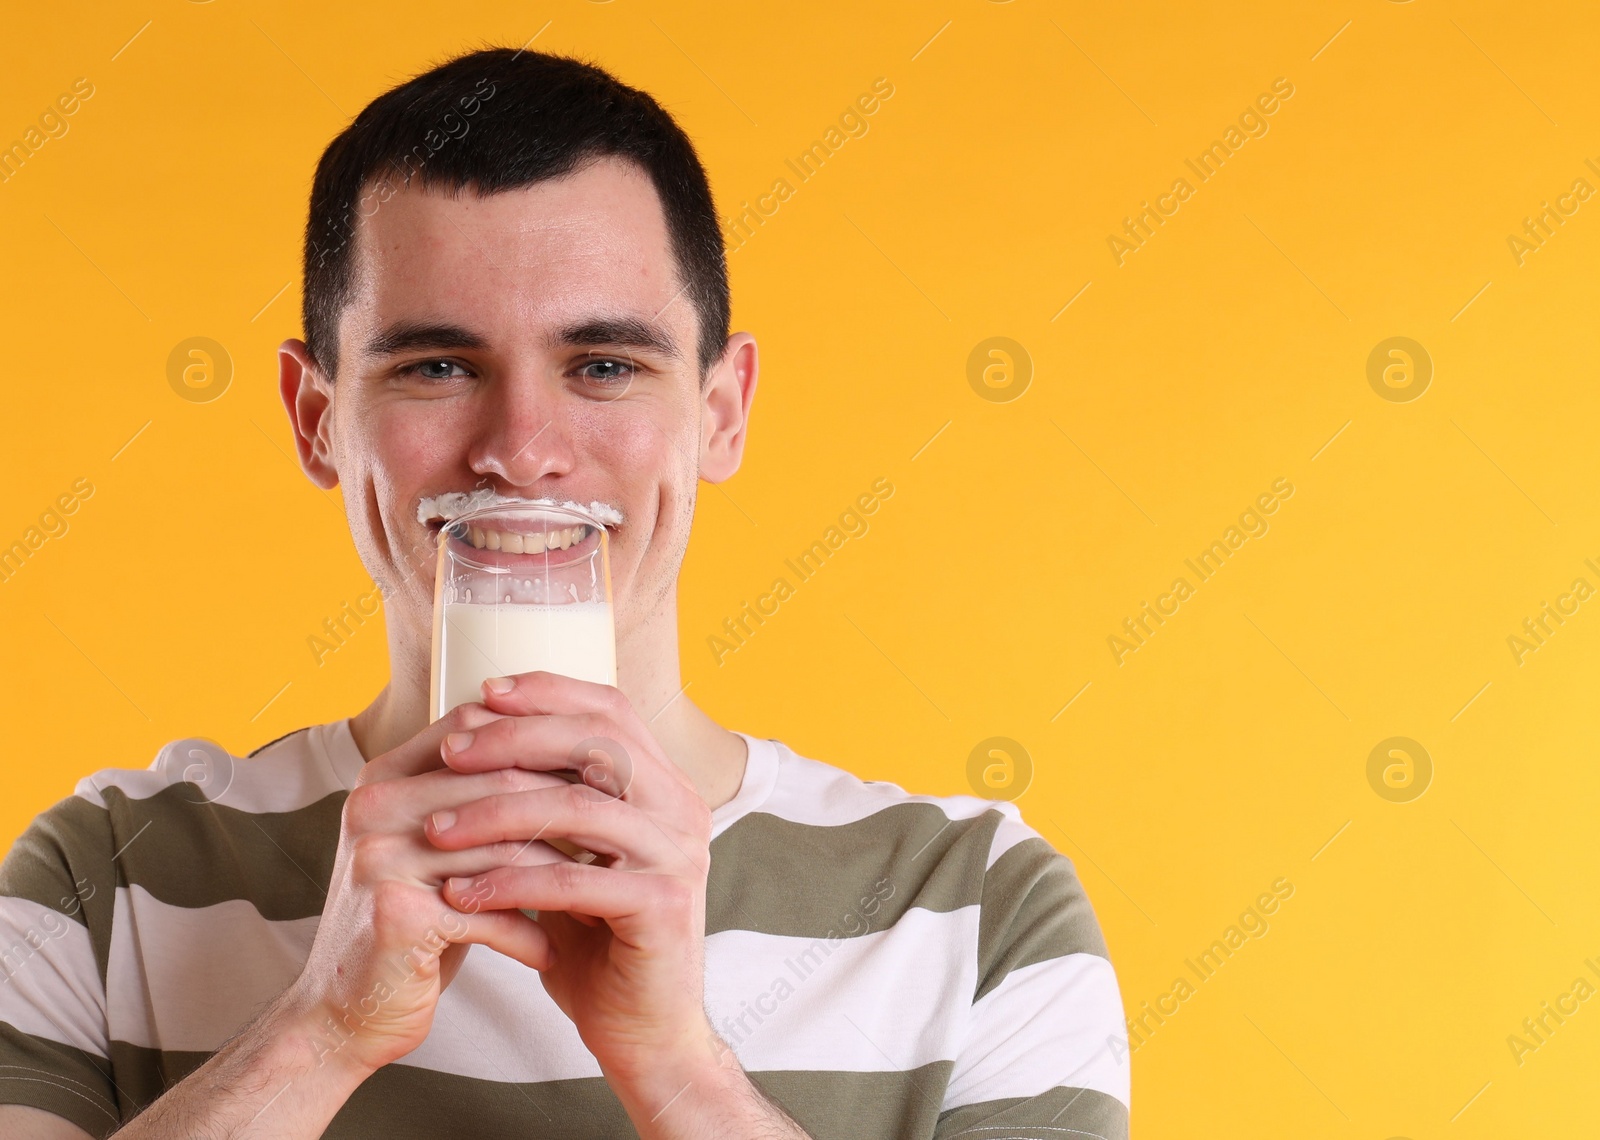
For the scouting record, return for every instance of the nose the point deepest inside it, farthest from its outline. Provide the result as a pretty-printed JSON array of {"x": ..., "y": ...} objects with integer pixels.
[{"x": 522, "y": 437}]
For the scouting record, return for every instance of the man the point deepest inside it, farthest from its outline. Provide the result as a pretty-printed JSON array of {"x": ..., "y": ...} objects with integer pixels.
[{"x": 515, "y": 286}]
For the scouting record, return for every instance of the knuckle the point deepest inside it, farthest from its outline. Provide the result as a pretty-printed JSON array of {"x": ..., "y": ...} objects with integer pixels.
[
  {"x": 368, "y": 854},
  {"x": 359, "y": 809},
  {"x": 583, "y": 802},
  {"x": 508, "y": 852},
  {"x": 565, "y": 876},
  {"x": 526, "y": 780},
  {"x": 489, "y": 814},
  {"x": 391, "y": 900},
  {"x": 509, "y": 780}
]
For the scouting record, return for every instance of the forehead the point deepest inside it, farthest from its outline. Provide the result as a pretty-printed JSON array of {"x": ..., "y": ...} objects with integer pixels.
[{"x": 594, "y": 241}]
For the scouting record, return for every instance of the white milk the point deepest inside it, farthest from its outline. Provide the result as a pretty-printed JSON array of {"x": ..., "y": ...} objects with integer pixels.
[{"x": 478, "y": 641}]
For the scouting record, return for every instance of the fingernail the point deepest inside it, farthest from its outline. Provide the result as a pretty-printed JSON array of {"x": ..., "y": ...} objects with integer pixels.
[
  {"x": 458, "y": 886},
  {"x": 443, "y": 820},
  {"x": 500, "y": 685},
  {"x": 459, "y": 741}
]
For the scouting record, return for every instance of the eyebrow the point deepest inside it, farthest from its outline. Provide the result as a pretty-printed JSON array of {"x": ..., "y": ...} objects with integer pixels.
[
  {"x": 405, "y": 336},
  {"x": 627, "y": 332}
]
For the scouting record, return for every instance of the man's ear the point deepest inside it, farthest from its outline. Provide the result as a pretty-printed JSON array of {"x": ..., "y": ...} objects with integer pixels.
[
  {"x": 725, "y": 408},
  {"x": 308, "y": 398}
]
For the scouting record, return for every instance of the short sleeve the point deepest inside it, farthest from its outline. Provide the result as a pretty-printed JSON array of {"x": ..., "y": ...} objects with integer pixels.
[
  {"x": 1044, "y": 1055},
  {"x": 56, "y": 900}
]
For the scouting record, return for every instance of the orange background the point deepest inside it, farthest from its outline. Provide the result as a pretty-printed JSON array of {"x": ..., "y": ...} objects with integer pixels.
[{"x": 1166, "y": 393}]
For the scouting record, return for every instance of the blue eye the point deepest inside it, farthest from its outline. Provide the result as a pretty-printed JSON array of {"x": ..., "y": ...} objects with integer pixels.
[
  {"x": 613, "y": 372},
  {"x": 429, "y": 369}
]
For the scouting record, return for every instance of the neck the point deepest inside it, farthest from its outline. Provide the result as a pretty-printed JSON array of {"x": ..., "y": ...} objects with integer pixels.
[{"x": 647, "y": 673}]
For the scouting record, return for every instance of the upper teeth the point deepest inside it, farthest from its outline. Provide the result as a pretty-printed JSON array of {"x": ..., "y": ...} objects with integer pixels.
[{"x": 516, "y": 543}]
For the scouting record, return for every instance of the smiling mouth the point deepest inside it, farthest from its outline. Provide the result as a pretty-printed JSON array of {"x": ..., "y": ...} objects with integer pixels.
[{"x": 514, "y": 542}]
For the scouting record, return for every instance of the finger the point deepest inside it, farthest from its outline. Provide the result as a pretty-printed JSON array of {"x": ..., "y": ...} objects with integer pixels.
[
  {"x": 591, "y": 745},
  {"x": 541, "y": 693},
  {"x": 421, "y": 752},
  {"x": 622, "y": 898},
  {"x": 435, "y": 866},
  {"x": 605, "y": 826},
  {"x": 513, "y": 934},
  {"x": 399, "y": 806}
]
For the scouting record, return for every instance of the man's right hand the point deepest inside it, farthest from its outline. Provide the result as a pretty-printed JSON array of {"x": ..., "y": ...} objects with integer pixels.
[
  {"x": 388, "y": 943},
  {"x": 386, "y": 947}
]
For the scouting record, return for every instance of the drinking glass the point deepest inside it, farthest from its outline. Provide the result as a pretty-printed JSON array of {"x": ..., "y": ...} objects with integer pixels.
[{"x": 520, "y": 587}]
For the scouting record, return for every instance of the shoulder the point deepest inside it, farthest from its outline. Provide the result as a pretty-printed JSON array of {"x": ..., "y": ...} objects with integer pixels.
[
  {"x": 284, "y": 775},
  {"x": 824, "y": 830},
  {"x": 811, "y": 793},
  {"x": 198, "y": 825}
]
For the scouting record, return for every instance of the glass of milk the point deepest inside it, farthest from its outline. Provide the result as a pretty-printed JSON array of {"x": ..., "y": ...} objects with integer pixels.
[{"x": 520, "y": 587}]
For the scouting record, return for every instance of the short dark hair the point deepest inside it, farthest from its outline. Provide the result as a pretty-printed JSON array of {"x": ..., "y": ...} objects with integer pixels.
[{"x": 522, "y": 117}]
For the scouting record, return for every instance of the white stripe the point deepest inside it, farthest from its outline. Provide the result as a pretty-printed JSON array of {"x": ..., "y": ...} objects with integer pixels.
[
  {"x": 495, "y": 1022},
  {"x": 292, "y": 774},
  {"x": 887, "y": 1001},
  {"x": 49, "y": 983},
  {"x": 763, "y": 763},
  {"x": 811, "y": 792},
  {"x": 209, "y": 970},
  {"x": 780, "y": 1002},
  {"x": 1046, "y": 1025},
  {"x": 187, "y": 978}
]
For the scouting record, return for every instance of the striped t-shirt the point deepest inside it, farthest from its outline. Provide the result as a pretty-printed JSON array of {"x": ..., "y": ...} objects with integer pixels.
[{"x": 883, "y": 964}]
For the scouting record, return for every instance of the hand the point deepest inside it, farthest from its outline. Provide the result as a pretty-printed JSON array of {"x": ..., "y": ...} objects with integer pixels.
[
  {"x": 388, "y": 943},
  {"x": 625, "y": 955}
]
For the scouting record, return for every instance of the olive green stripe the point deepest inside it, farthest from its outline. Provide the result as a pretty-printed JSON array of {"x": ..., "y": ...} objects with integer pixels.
[
  {"x": 842, "y": 880},
  {"x": 845, "y": 879},
  {"x": 1033, "y": 909},
  {"x": 402, "y": 1101},
  {"x": 57, "y": 1078},
  {"x": 860, "y": 1106},
  {"x": 1060, "y": 1114},
  {"x": 195, "y": 853},
  {"x": 64, "y": 862}
]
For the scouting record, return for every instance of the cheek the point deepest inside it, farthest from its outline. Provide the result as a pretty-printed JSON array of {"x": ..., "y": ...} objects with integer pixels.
[
  {"x": 411, "y": 440},
  {"x": 649, "y": 456},
  {"x": 390, "y": 454},
  {"x": 646, "y": 451}
]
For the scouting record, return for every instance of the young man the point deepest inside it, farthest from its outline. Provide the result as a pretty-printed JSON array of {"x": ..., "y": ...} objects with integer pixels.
[{"x": 515, "y": 285}]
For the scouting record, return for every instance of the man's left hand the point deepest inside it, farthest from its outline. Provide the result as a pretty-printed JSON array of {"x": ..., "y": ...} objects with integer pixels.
[{"x": 626, "y": 932}]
